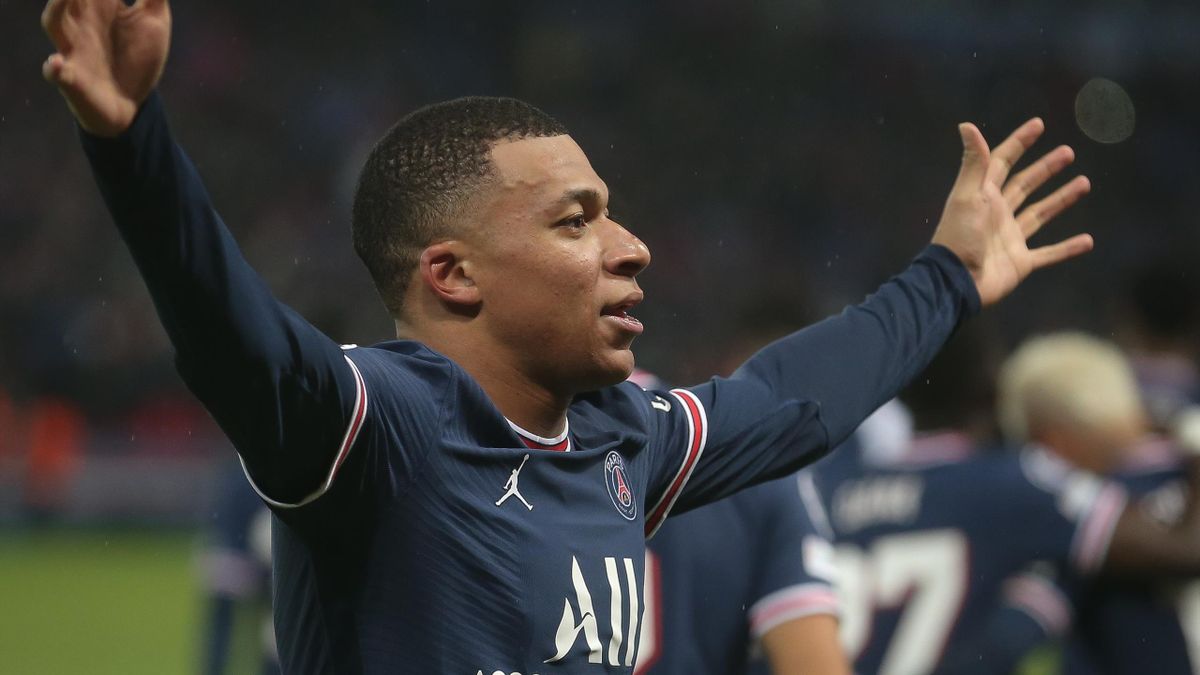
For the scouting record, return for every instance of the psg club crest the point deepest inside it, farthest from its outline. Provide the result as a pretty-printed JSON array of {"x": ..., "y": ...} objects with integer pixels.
[{"x": 619, "y": 487}]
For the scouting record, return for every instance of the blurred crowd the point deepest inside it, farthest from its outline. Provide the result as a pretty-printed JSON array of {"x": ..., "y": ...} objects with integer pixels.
[{"x": 779, "y": 158}]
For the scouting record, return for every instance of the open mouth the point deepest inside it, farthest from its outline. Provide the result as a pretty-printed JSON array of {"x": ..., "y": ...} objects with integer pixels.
[{"x": 620, "y": 313}]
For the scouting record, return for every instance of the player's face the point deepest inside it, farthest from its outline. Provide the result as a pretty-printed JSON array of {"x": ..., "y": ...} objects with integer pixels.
[{"x": 555, "y": 272}]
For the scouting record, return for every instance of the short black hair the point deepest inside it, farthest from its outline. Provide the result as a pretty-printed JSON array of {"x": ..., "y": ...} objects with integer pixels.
[{"x": 421, "y": 171}]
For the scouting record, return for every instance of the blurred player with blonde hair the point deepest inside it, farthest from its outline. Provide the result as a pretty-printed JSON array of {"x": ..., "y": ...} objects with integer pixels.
[
  {"x": 953, "y": 560},
  {"x": 1075, "y": 395}
]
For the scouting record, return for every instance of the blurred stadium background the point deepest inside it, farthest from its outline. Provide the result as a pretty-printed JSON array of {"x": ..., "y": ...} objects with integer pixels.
[{"x": 780, "y": 157}]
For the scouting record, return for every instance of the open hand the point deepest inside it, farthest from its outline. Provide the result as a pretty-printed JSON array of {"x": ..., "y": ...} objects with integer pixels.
[
  {"x": 109, "y": 57},
  {"x": 980, "y": 223}
]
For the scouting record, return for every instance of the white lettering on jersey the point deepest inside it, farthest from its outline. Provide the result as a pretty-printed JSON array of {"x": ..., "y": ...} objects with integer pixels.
[
  {"x": 660, "y": 403},
  {"x": 511, "y": 489},
  {"x": 569, "y": 629},
  {"x": 818, "y": 558},
  {"x": 862, "y": 503},
  {"x": 925, "y": 573}
]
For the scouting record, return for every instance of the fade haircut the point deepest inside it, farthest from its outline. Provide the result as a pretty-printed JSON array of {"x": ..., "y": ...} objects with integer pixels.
[{"x": 422, "y": 172}]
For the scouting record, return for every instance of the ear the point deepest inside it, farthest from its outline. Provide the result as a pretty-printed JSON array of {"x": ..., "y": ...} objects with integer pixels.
[{"x": 447, "y": 272}]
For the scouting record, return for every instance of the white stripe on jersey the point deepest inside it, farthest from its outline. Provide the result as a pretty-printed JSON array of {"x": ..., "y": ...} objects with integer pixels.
[
  {"x": 812, "y": 503},
  {"x": 356, "y": 421},
  {"x": 1095, "y": 532},
  {"x": 697, "y": 422},
  {"x": 1041, "y": 600},
  {"x": 787, "y": 604}
]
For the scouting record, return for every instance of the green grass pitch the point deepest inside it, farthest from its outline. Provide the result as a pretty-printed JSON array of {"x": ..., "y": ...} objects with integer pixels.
[{"x": 98, "y": 602}]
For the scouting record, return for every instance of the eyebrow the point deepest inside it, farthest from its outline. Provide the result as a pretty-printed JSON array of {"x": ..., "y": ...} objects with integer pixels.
[{"x": 581, "y": 196}]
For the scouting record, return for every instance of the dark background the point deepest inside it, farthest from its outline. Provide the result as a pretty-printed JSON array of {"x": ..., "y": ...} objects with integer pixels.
[{"x": 779, "y": 158}]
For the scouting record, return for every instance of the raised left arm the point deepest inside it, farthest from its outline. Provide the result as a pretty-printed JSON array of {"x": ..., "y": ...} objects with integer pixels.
[{"x": 802, "y": 395}]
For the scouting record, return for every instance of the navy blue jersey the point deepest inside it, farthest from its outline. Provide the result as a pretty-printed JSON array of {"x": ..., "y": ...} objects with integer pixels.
[
  {"x": 926, "y": 546},
  {"x": 725, "y": 574},
  {"x": 1033, "y": 611},
  {"x": 416, "y": 530},
  {"x": 1126, "y": 627}
]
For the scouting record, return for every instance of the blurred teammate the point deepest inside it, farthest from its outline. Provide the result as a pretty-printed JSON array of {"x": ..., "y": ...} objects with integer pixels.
[
  {"x": 949, "y": 559},
  {"x": 1128, "y": 626},
  {"x": 749, "y": 574},
  {"x": 488, "y": 236},
  {"x": 235, "y": 569}
]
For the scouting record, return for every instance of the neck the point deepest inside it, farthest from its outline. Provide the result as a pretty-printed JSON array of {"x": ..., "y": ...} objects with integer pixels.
[
  {"x": 1077, "y": 454},
  {"x": 526, "y": 402}
]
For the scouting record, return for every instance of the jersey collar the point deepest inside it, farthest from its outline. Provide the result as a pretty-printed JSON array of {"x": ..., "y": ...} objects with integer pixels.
[{"x": 560, "y": 443}]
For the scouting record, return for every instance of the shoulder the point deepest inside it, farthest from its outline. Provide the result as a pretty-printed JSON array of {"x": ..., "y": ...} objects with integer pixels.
[
  {"x": 409, "y": 383},
  {"x": 403, "y": 363},
  {"x": 625, "y": 404}
]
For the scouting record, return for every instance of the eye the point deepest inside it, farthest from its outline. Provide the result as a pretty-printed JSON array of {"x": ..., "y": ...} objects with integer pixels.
[{"x": 577, "y": 221}]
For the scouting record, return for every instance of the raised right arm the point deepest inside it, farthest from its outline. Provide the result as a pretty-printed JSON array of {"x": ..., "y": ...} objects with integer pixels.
[{"x": 286, "y": 396}]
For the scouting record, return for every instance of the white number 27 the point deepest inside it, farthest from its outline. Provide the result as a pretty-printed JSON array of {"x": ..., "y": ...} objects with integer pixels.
[{"x": 926, "y": 572}]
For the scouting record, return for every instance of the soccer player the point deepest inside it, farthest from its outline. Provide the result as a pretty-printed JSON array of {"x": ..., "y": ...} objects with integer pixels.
[
  {"x": 235, "y": 570},
  {"x": 936, "y": 547},
  {"x": 1128, "y": 626},
  {"x": 488, "y": 236},
  {"x": 749, "y": 575}
]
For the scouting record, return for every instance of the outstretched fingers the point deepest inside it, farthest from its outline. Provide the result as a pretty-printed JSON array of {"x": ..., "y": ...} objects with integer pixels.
[
  {"x": 1044, "y": 256},
  {"x": 53, "y": 67},
  {"x": 1038, "y": 214},
  {"x": 1005, "y": 156},
  {"x": 974, "y": 160},
  {"x": 1017, "y": 190},
  {"x": 54, "y": 22}
]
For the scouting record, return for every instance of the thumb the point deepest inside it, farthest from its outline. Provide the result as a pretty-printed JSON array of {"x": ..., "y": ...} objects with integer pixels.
[
  {"x": 975, "y": 157},
  {"x": 56, "y": 70}
]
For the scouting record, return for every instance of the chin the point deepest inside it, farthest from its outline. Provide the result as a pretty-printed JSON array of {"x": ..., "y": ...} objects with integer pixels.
[{"x": 613, "y": 370}]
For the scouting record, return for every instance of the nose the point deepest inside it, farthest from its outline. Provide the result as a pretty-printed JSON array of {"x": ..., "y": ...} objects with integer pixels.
[{"x": 626, "y": 255}]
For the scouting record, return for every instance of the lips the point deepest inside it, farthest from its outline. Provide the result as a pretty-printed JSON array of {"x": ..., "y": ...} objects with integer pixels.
[{"x": 620, "y": 313}]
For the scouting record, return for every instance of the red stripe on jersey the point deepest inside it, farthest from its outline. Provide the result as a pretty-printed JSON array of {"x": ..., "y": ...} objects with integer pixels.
[
  {"x": 360, "y": 413},
  {"x": 560, "y": 446},
  {"x": 698, "y": 435}
]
